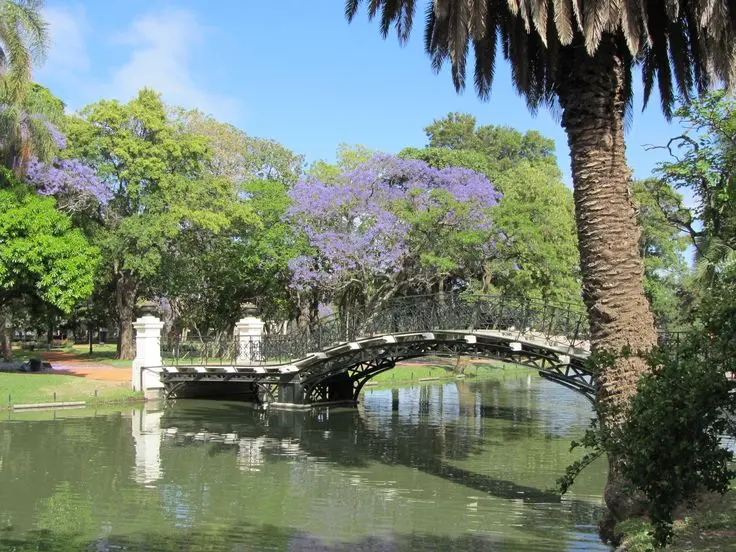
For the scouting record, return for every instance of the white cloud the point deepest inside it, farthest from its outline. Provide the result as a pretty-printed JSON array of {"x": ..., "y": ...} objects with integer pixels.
[
  {"x": 161, "y": 53},
  {"x": 157, "y": 50},
  {"x": 67, "y": 49}
]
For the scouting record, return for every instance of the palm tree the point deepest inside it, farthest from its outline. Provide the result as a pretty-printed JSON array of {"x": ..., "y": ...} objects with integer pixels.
[
  {"x": 578, "y": 56},
  {"x": 23, "y": 39}
]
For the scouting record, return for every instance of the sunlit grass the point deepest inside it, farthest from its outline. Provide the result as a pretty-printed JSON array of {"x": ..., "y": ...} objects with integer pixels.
[
  {"x": 42, "y": 388},
  {"x": 410, "y": 372},
  {"x": 101, "y": 354}
]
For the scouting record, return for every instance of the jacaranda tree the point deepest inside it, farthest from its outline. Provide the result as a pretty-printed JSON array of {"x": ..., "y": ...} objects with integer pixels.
[
  {"x": 391, "y": 225},
  {"x": 579, "y": 55}
]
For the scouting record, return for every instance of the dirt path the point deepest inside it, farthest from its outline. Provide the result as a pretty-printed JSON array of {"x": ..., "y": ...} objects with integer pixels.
[{"x": 77, "y": 365}]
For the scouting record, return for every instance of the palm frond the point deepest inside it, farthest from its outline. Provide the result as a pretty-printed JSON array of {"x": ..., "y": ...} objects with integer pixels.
[
  {"x": 683, "y": 45},
  {"x": 484, "y": 48},
  {"x": 633, "y": 24},
  {"x": 24, "y": 38},
  {"x": 563, "y": 19},
  {"x": 351, "y": 8},
  {"x": 596, "y": 15},
  {"x": 390, "y": 14},
  {"x": 539, "y": 18}
]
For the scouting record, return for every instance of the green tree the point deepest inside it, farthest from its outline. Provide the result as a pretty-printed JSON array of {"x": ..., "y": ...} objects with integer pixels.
[
  {"x": 662, "y": 245},
  {"x": 704, "y": 161},
  {"x": 349, "y": 157},
  {"x": 503, "y": 147},
  {"x": 42, "y": 257},
  {"x": 538, "y": 255},
  {"x": 157, "y": 175},
  {"x": 248, "y": 261},
  {"x": 239, "y": 157},
  {"x": 580, "y": 56}
]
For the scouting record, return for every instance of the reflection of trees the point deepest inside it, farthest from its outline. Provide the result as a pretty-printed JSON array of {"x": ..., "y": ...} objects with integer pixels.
[
  {"x": 416, "y": 435},
  {"x": 226, "y": 466},
  {"x": 246, "y": 537},
  {"x": 86, "y": 456}
]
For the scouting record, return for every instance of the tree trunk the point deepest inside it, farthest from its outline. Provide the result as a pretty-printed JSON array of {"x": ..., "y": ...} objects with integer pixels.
[
  {"x": 125, "y": 296},
  {"x": 6, "y": 336},
  {"x": 592, "y": 99}
]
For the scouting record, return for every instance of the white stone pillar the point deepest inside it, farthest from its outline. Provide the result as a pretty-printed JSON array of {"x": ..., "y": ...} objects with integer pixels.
[
  {"x": 248, "y": 333},
  {"x": 147, "y": 363}
]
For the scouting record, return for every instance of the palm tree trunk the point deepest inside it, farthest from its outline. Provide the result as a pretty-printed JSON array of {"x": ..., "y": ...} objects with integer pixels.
[{"x": 592, "y": 99}]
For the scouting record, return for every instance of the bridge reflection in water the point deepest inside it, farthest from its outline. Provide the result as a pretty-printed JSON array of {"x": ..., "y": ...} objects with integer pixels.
[
  {"x": 458, "y": 466},
  {"x": 465, "y": 456},
  {"x": 332, "y": 361}
]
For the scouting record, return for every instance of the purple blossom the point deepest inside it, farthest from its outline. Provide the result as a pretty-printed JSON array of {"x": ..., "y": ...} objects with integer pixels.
[
  {"x": 358, "y": 228},
  {"x": 324, "y": 310},
  {"x": 66, "y": 177},
  {"x": 57, "y": 136}
]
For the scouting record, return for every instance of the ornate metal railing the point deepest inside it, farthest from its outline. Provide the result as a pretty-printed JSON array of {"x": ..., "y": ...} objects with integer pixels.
[
  {"x": 205, "y": 350},
  {"x": 400, "y": 315}
]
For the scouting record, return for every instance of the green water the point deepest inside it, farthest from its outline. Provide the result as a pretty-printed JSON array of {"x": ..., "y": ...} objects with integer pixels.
[{"x": 457, "y": 466}]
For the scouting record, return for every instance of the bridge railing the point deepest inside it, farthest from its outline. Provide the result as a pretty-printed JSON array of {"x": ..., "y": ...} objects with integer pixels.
[
  {"x": 485, "y": 312},
  {"x": 562, "y": 324},
  {"x": 201, "y": 350},
  {"x": 435, "y": 312}
]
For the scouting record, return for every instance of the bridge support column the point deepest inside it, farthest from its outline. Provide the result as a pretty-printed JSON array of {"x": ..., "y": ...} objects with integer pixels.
[
  {"x": 291, "y": 394},
  {"x": 147, "y": 364}
]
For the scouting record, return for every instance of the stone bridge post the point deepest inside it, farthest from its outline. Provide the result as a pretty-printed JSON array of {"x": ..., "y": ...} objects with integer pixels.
[
  {"x": 147, "y": 364},
  {"x": 248, "y": 334}
]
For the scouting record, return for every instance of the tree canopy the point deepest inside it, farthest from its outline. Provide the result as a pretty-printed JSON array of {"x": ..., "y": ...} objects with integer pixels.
[
  {"x": 539, "y": 256},
  {"x": 390, "y": 225},
  {"x": 159, "y": 190}
]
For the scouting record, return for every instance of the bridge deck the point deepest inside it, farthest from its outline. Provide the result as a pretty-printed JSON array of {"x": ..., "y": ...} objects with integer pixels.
[{"x": 553, "y": 357}]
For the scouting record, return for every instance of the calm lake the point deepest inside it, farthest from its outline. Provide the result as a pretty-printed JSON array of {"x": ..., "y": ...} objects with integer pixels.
[{"x": 465, "y": 465}]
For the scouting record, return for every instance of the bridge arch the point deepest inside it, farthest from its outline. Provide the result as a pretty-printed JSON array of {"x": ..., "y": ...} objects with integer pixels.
[
  {"x": 333, "y": 360},
  {"x": 339, "y": 374}
]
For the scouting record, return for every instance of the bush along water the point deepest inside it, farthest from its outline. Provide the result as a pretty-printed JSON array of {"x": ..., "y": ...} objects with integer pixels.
[{"x": 670, "y": 445}]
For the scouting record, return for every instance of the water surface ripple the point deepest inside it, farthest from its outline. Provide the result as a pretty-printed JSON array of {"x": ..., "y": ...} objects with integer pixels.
[{"x": 453, "y": 466}]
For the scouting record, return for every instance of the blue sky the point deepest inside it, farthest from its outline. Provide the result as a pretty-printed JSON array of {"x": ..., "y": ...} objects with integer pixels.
[{"x": 292, "y": 71}]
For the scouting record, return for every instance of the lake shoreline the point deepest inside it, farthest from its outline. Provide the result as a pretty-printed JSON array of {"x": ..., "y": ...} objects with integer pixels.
[{"x": 709, "y": 526}]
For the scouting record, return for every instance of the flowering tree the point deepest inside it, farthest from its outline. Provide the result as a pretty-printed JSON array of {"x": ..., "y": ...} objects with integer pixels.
[
  {"x": 391, "y": 225},
  {"x": 73, "y": 183},
  {"x": 37, "y": 151}
]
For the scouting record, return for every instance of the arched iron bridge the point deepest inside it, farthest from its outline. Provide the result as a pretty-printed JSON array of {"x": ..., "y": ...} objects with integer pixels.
[{"x": 332, "y": 361}]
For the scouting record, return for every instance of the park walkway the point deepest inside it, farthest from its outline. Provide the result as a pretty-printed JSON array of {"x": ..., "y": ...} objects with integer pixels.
[{"x": 75, "y": 364}]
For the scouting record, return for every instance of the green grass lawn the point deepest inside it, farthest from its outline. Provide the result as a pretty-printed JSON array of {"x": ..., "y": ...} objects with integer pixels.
[
  {"x": 102, "y": 354},
  {"x": 40, "y": 388},
  {"x": 411, "y": 373}
]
